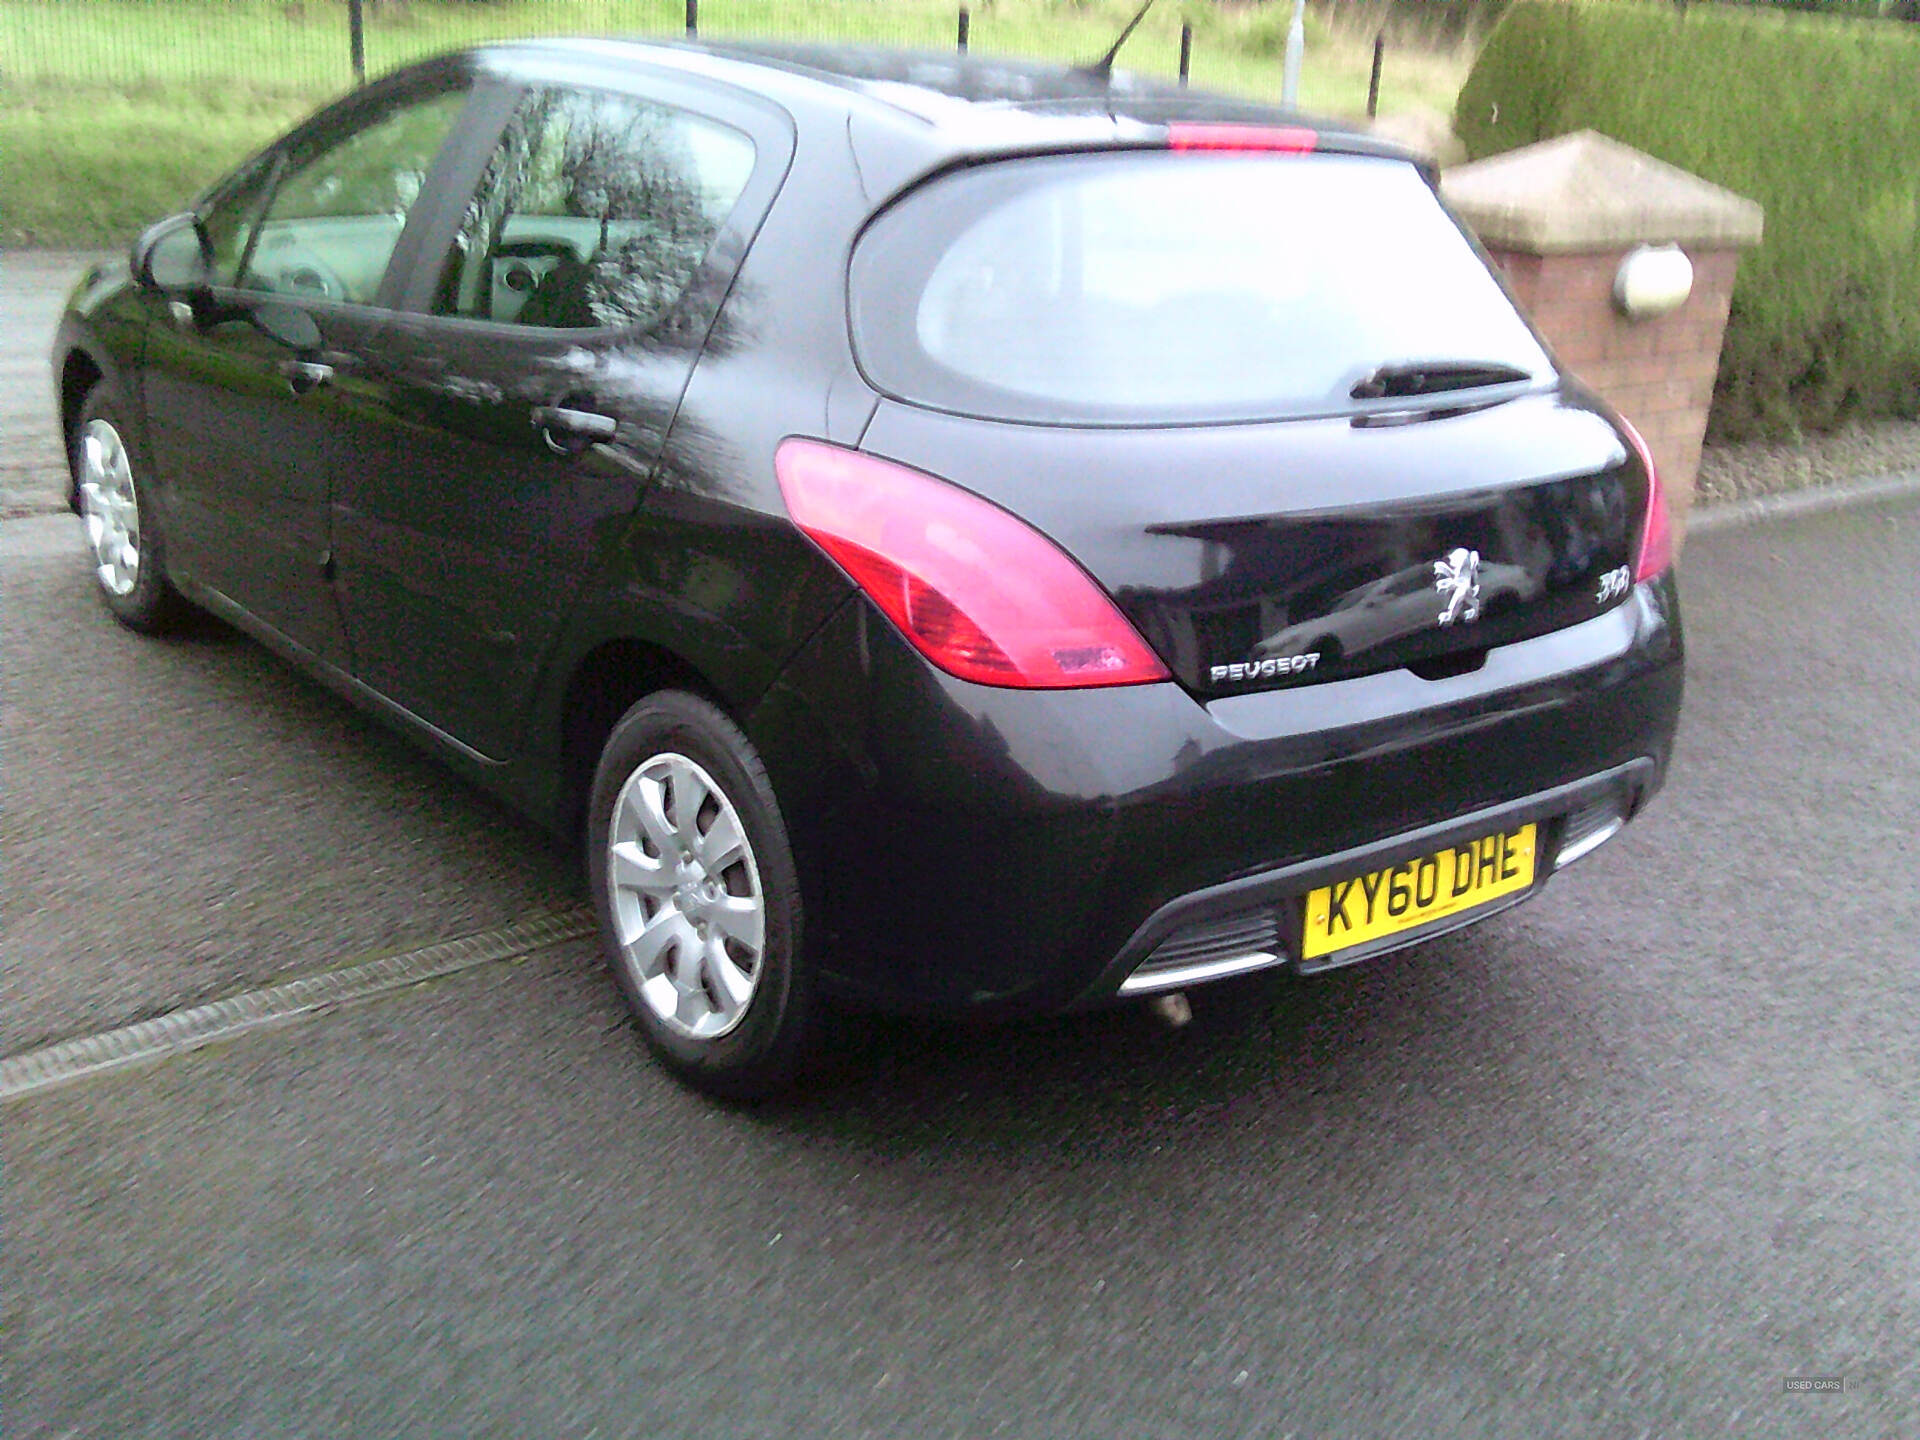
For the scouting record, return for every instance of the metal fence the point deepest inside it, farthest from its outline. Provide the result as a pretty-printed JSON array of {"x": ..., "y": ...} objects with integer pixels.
[
  {"x": 114, "y": 111},
  {"x": 250, "y": 49},
  {"x": 309, "y": 49}
]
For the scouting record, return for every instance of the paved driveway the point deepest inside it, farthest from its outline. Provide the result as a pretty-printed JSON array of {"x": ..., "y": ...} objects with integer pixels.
[{"x": 1618, "y": 1163}]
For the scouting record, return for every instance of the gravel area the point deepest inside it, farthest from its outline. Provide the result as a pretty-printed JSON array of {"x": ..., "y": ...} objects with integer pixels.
[{"x": 1865, "y": 451}]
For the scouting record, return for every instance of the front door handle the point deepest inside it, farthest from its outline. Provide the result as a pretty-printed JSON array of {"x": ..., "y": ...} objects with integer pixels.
[
  {"x": 305, "y": 376},
  {"x": 568, "y": 432}
]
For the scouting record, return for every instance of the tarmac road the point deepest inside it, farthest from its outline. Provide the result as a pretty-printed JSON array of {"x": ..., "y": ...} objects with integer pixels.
[
  {"x": 33, "y": 286},
  {"x": 188, "y": 817},
  {"x": 1617, "y": 1163}
]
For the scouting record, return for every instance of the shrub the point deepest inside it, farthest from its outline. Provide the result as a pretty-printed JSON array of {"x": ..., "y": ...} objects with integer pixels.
[{"x": 1812, "y": 116}]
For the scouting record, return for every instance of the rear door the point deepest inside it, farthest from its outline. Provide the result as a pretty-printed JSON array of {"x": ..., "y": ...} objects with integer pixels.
[
  {"x": 525, "y": 393},
  {"x": 254, "y": 401}
]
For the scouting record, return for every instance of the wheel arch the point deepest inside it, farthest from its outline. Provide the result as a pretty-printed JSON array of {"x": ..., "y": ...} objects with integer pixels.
[
  {"x": 602, "y": 686},
  {"x": 80, "y": 372}
]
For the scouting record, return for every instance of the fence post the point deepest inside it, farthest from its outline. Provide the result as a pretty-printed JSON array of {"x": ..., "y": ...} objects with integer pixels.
[
  {"x": 1186, "y": 50},
  {"x": 966, "y": 27},
  {"x": 357, "y": 39},
  {"x": 1373, "y": 83},
  {"x": 693, "y": 19},
  {"x": 1296, "y": 45}
]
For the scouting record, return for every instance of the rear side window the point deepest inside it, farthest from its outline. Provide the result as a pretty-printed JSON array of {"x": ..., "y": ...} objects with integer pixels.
[
  {"x": 596, "y": 210},
  {"x": 1147, "y": 287}
]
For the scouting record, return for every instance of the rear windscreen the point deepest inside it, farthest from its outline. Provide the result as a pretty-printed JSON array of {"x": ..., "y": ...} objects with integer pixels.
[{"x": 1143, "y": 287}]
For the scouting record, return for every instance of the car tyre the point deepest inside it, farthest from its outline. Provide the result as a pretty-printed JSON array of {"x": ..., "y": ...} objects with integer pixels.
[
  {"x": 123, "y": 532},
  {"x": 699, "y": 906}
]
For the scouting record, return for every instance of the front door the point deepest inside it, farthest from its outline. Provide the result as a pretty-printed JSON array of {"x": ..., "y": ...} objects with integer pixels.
[{"x": 253, "y": 399}]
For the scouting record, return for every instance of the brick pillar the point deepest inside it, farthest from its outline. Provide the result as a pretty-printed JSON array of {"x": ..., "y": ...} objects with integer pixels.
[{"x": 1558, "y": 219}]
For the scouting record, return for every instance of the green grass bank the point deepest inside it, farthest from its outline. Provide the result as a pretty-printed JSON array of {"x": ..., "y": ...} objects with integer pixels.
[
  {"x": 113, "y": 112},
  {"x": 1814, "y": 117}
]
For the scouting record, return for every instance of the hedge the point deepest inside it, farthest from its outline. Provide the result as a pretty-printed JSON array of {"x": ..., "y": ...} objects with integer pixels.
[{"x": 1816, "y": 118}]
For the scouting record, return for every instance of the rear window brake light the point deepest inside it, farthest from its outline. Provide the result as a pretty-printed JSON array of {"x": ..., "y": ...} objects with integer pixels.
[{"x": 1274, "y": 139}]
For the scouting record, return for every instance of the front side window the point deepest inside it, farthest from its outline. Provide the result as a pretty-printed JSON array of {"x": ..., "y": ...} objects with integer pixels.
[
  {"x": 595, "y": 211},
  {"x": 336, "y": 217},
  {"x": 230, "y": 217}
]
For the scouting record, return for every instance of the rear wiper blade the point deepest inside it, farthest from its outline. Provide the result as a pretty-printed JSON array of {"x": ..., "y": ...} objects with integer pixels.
[{"x": 1432, "y": 377}]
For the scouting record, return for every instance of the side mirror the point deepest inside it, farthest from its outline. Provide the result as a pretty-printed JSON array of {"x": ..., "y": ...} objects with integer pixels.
[{"x": 174, "y": 256}]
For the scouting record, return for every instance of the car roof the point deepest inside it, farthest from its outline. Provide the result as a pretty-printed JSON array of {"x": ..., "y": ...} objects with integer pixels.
[{"x": 944, "y": 100}]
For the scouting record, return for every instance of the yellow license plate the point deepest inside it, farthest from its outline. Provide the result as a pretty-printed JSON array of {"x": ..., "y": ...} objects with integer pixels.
[{"x": 1417, "y": 892}]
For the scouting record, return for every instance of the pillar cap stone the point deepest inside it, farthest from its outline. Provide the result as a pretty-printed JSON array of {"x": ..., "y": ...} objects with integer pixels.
[{"x": 1586, "y": 192}]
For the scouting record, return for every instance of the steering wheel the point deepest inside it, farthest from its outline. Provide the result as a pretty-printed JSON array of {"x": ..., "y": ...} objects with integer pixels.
[
  {"x": 523, "y": 277},
  {"x": 307, "y": 279},
  {"x": 523, "y": 266},
  {"x": 533, "y": 247}
]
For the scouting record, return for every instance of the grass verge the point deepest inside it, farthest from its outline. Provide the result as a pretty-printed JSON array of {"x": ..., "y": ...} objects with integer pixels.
[{"x": 114, "y": 112}]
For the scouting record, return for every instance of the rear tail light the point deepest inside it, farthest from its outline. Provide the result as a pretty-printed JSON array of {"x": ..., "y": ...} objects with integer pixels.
[
  {"x": 1656, "y": 531},
  {"x": 1275, "y": 139},
  {"x": 981, "y": 594}
]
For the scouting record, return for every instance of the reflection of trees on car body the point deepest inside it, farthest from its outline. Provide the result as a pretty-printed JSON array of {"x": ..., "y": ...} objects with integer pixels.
[{"x": 596, "y": 211}]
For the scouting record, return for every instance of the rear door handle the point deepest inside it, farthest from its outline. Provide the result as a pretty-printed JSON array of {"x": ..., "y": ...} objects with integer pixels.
[
  {"x": 305, "y": 376},
  {"x": 568, "y": 432}
]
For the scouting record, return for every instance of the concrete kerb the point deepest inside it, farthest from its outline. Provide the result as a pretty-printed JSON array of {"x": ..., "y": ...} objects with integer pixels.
[
  {"x": 1899, "y": 486},
  {"x": 41, "y": 537}
]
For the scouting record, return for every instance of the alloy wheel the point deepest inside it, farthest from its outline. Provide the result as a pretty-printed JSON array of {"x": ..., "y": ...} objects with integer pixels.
[
  {"x": 684, "y": 889},
  {"x": 110, "y": 507}
]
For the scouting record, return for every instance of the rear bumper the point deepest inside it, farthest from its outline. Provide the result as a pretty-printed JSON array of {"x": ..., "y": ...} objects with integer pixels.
[
  {"x": 1254, "y": 922},
  {"x": 962, "y": 846}
]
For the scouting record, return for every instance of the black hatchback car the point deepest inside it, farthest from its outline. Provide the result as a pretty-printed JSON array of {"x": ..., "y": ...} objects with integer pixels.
[{"x": 948, "y": 534}]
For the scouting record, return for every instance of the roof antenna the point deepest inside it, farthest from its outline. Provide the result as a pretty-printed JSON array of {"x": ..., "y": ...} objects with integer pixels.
[{"x": 1102, "y": 69}]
